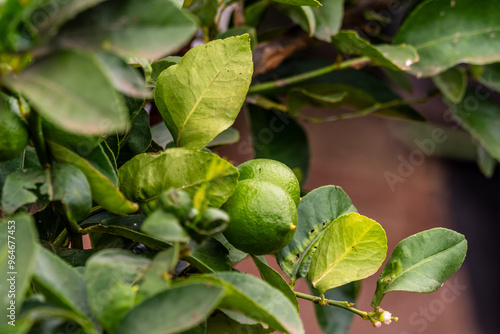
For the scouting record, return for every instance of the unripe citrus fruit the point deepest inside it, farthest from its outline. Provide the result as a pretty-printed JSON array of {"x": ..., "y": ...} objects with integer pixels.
[
  {"x": 263, "y": 217},
  {"x": 274, "y": 172},
  {"x": 14, "y": 135}
]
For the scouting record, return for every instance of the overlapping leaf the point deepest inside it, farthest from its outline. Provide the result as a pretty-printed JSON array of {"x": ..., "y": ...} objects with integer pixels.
[
  {"x": 422, "y": 262},
  {"x": 202, "y": 95},
  {"x": 446, "y": 33},
  {"x": 146, "y": 176}
]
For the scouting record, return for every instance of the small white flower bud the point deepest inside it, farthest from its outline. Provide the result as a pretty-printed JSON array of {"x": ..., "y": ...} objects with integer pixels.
[
  {"x": 386, "y": 317},
  {"x": 377, "y": 324}
]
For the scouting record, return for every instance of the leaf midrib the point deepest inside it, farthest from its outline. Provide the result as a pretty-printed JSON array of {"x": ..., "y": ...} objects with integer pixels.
[
  {"x": 340, "y": 258},
  {"x": 202, "y": 95},
  {"x": 452, "y": 37},
  {"x": 427, "y": 259}
]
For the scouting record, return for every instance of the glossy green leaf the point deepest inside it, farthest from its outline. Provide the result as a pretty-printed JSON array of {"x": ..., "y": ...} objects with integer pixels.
[
  {"x": 212, "y": 95},
  {"x": 210, "y": 257},
  {"x": 312, "y": 3},
  {"x": 73, "y": 256},
  {"x": 226, "y": 137},
  {"x": 24, "y": 187},
  {"x": 328, "y": 19},
  {"x": 72, "y": 189},
  {"x": 317, "y": 210},
  {"x": 146, "y": 176},
  {"x": 103, "y": 189},
  {"x": 274, "y": 279},
  {"x": 126, "y": 79},
  {"x": 18, "y": 236},
  {"x": 164, "y": 226},
  {"x": 84, "y": 102},
  {"x": 130, "y": 29},
  {"x": 219, "y": 323},
  {"x": 123, "y": 226},
  {"x": 480, "y": 118},
  {"x": 446, "y": 33},
  {"x": 352, "y": 248},
  {"x": 7, "y": 167},
  {"x": 60, "y": 284},
  {"x": 397, "y": 56},
  {"x": 187, "y": 304},
  {"x": 256, "y": 299},
  {"x": 278, "y": 136},
  {"x": 489, "y": 75},
  {"x": 110, "y": 277},
  {"x": 452, "y": 83},
  {"x": 422, "y": 262},
  {"x": 334, "y": 320},
  {"x": 485, "y": 161}
]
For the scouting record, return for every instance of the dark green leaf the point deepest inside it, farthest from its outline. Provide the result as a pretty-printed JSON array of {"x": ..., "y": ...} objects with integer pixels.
[
  {"x": 452, "y": 83},
  {"x": 298, "y": 98},
  {"x": 312, "y": 3},
  {"x": 187, "y": 304},
  {"x": 161, "y": 65},
  {"x": 83, "y": 102},
  {"x": 17, "y": 260},
  {"x": 164, "y": 226},
  {"x": 204, "y": 10},
  {"x": 211, "y": 95},
  {"x": 123, "y": 226},
  {"x": 272, "y": 277},
  {"x": 360, "y": 253},
  {"x": 235, "y": 255},
  {"x": 422, "y": 262},
  {"x": 24, "y": 187},
  {"x": 129, "y": 28},
  {"x": 392, "y": 56},
  {"x": 256, "y": 299},
  {"x": 113, "y": 273},
  {"x": 446, "y": 33},
  {"x": 72, "y": 189},
  {"x": 103, "y": 189},
  {"x": 302, "y": 15},
  {"x": 334, "y": 320},
  {"x": 146, "y": 176},
  {"x": 481, "y": 118},
  {"x": 219, "y": 323},
  {"x": 278, "y": 136},
  {"x": 138, "y": 139},
  {"x": 209, "y": 257},
  {"x": 316, "y": 211},
  {"x": 7, "y": 167},
  {"x": 59, "y": 283}
]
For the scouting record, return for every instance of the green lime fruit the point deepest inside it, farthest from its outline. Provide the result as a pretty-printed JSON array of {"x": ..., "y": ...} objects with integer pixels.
[
  {"x": 274, "y": 172},
  {"x": 14, "y": 134},
  {"x": 263, "y": 217}
]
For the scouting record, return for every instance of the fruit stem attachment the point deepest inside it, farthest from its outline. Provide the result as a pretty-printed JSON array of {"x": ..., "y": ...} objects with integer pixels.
[
  {"x": 35, "y": 126},
  {"x": 268, "y": 86}
]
